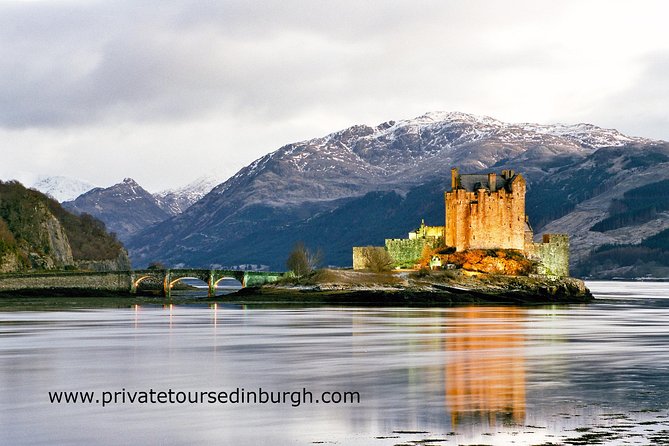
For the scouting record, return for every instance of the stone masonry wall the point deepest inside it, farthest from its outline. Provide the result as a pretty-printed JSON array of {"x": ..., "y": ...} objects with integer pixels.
[
  {"x": 552, "y": 255},
  {"x": 107, "y": 281},
  {"x": 405, "y": 252},
  {"x": 359, "y": 261}
]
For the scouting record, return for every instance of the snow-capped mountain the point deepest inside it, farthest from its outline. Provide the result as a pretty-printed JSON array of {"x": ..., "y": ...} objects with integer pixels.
[
  {"x": 362, "y": 158},
  {"x": 588, "y": 134},
  {"x": 61, "y": 188},
  {"x": 269, "y": 202},
  {"x": 125, "y": 208},
  {"x": 175, "y": 201}
]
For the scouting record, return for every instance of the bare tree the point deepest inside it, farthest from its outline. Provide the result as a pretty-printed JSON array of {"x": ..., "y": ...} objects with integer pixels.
[
  {"x": 301, "y": 261},
  {"x": 377, "y": 258},
  {"x": 156, "y": 265}
]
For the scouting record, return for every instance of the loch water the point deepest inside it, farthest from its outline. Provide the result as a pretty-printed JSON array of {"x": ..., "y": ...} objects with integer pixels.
[{"x": 497, "y": 375}]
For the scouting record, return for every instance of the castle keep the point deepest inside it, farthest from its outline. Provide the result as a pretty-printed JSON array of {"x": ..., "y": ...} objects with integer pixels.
[
  {"x": 486, "y": 211},
  {"x": 482, "y": 212}
]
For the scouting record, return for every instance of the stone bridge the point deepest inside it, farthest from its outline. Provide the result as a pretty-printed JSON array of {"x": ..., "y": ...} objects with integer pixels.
[
  {"x": 129, "y": 281},
  {"x": 168, "y": 278}
]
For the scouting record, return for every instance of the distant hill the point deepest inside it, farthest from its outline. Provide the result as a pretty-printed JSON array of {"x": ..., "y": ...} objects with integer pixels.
[
  {"x": 362, "y": 184},
  {"x": 649, "y": 258},
  {"x": 62, "y": 188},
  {"x": 37, "y": 233},
  {"x": 125, "y": 208},
  {"x": 175, "y": 201},
  {"x": 617, "y": 196}
]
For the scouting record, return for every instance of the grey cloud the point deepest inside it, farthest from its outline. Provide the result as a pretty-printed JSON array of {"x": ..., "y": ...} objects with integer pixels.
[
  {"x": 104, "y": 90},
  {"x": 94, "y": 63},
  {"x": 72, "y": 65},
  {"x": 642, "y": 106},
  {"x": 69, "y": 64}
]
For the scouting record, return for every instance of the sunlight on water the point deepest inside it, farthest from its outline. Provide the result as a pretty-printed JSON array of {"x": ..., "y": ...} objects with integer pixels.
[{"x": 463, "y": 375}]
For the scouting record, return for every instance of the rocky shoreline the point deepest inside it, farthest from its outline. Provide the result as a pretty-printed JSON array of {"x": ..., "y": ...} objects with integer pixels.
[{"x": 443, "y": 288}]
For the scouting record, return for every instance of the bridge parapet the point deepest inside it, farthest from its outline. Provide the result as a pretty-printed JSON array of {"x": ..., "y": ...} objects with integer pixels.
[
  {"x": 123, "y": 281},
  {"x": 258, "y": 278}
]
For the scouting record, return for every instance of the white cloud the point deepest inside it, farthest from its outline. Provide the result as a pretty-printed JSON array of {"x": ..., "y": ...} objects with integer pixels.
[{"x": 104, "y": 90}]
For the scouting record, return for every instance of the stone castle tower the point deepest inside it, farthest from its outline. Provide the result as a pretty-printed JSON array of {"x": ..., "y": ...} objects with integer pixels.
[{"x": 484, "y": 211}]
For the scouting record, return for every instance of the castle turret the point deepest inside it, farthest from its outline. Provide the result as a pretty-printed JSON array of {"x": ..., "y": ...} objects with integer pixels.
[
  {"x": 508, "y": 174},
  {"x": 454, "y": 178}
]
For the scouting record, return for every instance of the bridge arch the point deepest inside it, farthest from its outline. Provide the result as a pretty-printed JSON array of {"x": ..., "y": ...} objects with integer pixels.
[
  {"x": 179, "y": 279},
  {"x": 202, "y": 283},
  {"x": 140, "y": 280},
  {"x": 137, "y": 280},
  {"x": 230, "y": 277}
]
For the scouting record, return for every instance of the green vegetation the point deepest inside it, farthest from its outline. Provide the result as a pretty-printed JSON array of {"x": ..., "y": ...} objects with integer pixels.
[
  {"x": 559, "y": 193},
  {"x": 659, "y": 241},
  {"x": 24, "y": 215},
  {"x": 21, "y": 211},
  {"x": 637, "y": 206},
  {"x": 8, "y": 242},
  {"x": 88, "y": 236},
  {"x": 646, "y": 257},
  {"x": 562, "y": 190}
]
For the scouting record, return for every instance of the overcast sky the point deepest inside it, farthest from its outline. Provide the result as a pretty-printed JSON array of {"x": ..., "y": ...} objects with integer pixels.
[{"x": 166, "y": 91}]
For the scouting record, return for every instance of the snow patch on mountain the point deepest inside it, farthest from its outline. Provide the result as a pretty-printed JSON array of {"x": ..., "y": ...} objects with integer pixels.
[
  {"x": 360, "y": 158},
  {"x": 587, "y": 134},
  {"x": 61, "y": 188},
  {"x": 125, "y": 207},
  {"x": 175, "y": 201}
]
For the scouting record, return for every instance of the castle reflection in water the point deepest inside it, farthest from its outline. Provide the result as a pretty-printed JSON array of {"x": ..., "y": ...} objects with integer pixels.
[
  {"x": 456, "y": 368},
  {"x": 484, "y": 376}
]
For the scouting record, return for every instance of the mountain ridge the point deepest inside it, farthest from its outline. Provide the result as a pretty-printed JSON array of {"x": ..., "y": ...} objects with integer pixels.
[
  {"x": 176, "y": 200},
  {"x": 125, "y": 207},
  {"x": 282, "y": 190}
]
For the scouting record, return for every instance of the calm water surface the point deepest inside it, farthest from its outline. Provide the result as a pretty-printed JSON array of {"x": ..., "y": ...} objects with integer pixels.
[{"x": 469, "y": 375}]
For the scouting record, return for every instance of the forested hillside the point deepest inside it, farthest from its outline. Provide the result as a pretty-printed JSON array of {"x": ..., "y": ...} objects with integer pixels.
[{"x": 37, "y": 233}]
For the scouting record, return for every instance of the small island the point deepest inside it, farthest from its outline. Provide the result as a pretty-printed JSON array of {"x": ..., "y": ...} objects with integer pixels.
[
  {"x": 484, "y": 253},
  {"x": 416, "y": 288}
]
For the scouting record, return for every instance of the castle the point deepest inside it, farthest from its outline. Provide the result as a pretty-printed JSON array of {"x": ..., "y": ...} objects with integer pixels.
[
  {"x": 486, "y": 211},
  {"x": 482, "y": 211}
]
